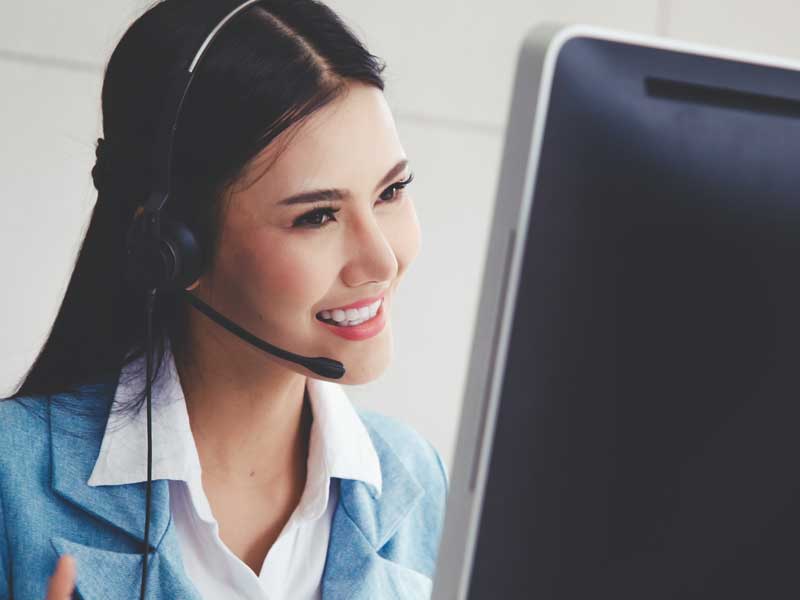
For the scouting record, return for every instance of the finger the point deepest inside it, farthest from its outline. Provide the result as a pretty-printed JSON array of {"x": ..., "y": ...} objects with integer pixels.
[{"x": 62, "y": 582}]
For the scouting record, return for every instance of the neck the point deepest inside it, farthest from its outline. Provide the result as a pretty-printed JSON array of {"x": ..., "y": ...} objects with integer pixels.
[{"x": 248, "y": 414}]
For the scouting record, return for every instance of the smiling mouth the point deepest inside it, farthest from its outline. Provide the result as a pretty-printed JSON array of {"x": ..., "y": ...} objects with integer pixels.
[{"x": 351, "y": 316}]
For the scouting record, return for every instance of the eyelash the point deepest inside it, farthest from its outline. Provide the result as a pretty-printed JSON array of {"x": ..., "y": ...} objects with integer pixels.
[{"x": 330, "y": 211}]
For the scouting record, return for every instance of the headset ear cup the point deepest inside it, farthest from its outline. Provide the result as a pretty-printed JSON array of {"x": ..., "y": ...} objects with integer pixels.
[
  {"x": 172, "y": 262},
  {"x": 182, "y": 253}
]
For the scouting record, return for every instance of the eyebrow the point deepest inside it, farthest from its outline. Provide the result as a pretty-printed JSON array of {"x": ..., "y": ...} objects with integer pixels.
[{"x": 337, "y": 194}]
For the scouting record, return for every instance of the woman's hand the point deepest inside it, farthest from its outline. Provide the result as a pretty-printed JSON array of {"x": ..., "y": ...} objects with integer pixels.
[{"x": 62, "y": 581}]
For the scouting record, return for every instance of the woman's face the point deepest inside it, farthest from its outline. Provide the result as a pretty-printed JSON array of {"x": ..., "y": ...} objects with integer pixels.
[{"x": 283, "y": 258}]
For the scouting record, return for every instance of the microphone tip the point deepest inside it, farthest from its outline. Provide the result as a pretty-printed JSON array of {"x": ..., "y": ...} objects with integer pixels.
[{"x": 327, "y": 367}]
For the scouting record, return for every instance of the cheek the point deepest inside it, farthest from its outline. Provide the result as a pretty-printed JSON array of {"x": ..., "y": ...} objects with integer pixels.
[{"x": 280, "y": 275}]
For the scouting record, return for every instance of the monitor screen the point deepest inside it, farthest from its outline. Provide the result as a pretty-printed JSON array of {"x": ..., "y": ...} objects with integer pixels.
[{"x": 646, "y": 443}]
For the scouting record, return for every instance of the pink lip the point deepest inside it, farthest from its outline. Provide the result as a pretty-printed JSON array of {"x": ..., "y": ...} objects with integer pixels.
[
  {"x": 366, "y": 330},
  {"x": 359, "y": 304}
]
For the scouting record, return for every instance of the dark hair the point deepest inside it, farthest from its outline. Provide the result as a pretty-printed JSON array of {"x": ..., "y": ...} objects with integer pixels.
[{"x": 271, "y": 67}]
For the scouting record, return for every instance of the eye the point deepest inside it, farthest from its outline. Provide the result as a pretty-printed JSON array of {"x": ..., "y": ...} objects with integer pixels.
[
  {"x": 394, "y": 189},
  {"x": 322, "y": 215},
  {"x": 314, "y": 218}
]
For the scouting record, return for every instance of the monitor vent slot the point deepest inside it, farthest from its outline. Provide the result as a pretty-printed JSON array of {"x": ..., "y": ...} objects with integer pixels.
[{"x": 721, "y": 97}]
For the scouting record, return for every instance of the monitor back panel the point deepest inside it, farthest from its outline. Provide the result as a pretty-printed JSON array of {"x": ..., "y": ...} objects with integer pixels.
[{"x": 648, "y": 436}]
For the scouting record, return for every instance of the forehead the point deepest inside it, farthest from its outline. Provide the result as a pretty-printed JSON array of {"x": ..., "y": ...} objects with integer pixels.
[{"x": 351, "y": 142}]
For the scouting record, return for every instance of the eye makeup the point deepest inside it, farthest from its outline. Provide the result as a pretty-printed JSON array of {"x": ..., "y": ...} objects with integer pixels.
[{"x": 313, "y": 219}]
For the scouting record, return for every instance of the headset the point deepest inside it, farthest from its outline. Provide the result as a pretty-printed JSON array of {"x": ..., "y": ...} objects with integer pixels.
[{"x": 165, "y": 255}]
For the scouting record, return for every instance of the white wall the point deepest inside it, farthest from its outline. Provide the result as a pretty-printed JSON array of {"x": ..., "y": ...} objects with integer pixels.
[{"x": 449, "y": 75}]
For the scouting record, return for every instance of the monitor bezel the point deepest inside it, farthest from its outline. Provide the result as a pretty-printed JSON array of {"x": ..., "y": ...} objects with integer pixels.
[{"x": 524, "y": 133}]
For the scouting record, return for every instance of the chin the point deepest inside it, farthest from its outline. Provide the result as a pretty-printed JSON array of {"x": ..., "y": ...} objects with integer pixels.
[
  {"x": 361, "y": 373},
  {"x": 365, "y": 367}
]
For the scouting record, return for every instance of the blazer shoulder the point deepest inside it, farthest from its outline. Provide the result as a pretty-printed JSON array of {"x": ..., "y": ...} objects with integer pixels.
[
  {"x": 414, "y": 495},
  {"x": 21, "y": 418},
  {"x": 417, "y": 453},
  {"x": 24, "y": 445},
  {"x": 27, "y": 421}
]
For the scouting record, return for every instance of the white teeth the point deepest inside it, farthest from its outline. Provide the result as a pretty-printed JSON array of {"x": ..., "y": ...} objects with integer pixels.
[
  {"x": 352, "y": 316},
  {"x": 373, "y": 308}
]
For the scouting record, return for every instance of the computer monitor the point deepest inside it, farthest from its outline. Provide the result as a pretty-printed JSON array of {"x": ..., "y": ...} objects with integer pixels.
[{"x": 631, "y": 423}]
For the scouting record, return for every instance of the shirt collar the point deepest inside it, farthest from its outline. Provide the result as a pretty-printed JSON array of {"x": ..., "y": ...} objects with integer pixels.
[{"x": 340, "y": 445}]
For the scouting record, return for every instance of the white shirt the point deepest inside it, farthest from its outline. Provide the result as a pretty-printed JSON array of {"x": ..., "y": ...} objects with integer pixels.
[{"x": 340, "y": 447}]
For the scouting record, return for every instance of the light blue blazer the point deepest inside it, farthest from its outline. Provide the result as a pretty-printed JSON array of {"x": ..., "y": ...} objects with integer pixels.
[{"x": 379, "y": 548}]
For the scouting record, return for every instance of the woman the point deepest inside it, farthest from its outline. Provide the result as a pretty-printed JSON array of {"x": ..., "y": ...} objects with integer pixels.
[{"x": 267, "y": 482}]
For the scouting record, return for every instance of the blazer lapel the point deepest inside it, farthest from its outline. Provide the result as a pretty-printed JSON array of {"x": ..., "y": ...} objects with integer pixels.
[
  {"x": 362, "y": 524},
  {"x": 77, "y": 424},
  {"x": 355, "y": 571},
  {"x": 103, "y": 574}
]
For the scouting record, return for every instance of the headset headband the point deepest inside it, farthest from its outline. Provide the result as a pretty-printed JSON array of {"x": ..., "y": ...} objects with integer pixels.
[{"x": 168, "y": 124}]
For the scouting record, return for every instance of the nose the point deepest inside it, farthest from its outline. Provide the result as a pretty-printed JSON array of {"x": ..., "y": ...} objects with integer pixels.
[{"x": 372, "y": 257}]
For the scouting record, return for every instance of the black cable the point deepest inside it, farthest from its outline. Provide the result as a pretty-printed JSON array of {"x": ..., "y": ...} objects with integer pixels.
[{"x": 150, "y": 302}]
